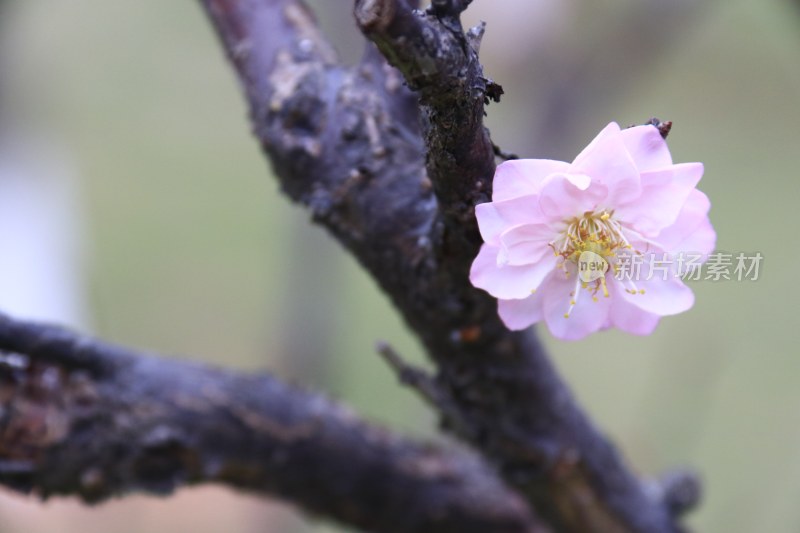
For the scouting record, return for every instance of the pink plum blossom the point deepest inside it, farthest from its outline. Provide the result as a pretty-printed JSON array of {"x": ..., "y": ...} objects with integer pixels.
[{"x": 560, "y": 238}]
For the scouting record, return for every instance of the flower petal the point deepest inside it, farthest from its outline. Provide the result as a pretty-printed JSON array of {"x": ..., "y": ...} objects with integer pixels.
[
  {"x": 664, "y": 192},
  {"x": 568, "y": 195},
  {"x": 587, "y": 316},
  {"x": 520, "y": 314},
  {"x": 612, "y": 130},
  {"x": 692, "y": 231},
  {"x": 522, "y": 245},
  {"x": 645, "y": 207},
  {"x": 627, "y": 317},
  {"x": 701, "y": 240},
  {"x": 647, "y": 147},
  {"x": 661, "y": 296},
  {"x": 508, "y": 281},
  {"x": 496, "y": 217},
  {"x": 521, "y": 177},
  {"x": 609, "y": 163}
]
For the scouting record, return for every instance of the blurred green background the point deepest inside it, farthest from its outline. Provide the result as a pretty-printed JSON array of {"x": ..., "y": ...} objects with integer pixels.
[{"x": 189, "y": 248}]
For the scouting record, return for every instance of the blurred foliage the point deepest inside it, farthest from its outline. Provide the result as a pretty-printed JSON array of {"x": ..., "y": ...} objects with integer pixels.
[{"x": 194, "y": 251}]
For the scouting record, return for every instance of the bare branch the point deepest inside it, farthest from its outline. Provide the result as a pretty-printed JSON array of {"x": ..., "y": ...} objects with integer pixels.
[
  {"x": 431, "y": 391},
  {"x": 154, "y": 424},
  {"x": 337, "y": 146},
  {"x": 431, "y": 51}
]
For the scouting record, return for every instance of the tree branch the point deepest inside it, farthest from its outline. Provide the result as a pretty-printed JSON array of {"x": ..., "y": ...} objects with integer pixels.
[
  {"x": 431, "y": 51},
  {"x": 340, "y": 145},
  {"x": 85, "y": 418}
]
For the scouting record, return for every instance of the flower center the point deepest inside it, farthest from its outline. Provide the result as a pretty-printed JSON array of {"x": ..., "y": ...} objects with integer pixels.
[{"x": 591, "y": 242}]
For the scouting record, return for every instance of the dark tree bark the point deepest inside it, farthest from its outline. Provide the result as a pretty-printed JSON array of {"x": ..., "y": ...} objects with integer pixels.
[
  {"x": 392, "y": 161},
  {"x": 84, "y": 418}
]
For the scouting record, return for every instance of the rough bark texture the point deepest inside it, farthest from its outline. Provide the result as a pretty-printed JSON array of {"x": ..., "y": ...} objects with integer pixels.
[
  {"x": 392, "y": 162},
  {"x": 344, "y": 143},
  {"x": 80, "y": 417}
]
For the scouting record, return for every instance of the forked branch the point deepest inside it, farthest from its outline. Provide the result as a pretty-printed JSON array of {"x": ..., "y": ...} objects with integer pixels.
[{"x": 394, "y": 175}]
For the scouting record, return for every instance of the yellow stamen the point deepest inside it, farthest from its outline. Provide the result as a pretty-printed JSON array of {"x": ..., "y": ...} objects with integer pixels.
[
  {"x": 601, "y": 235},
  {"x": 605, "y": 287}
]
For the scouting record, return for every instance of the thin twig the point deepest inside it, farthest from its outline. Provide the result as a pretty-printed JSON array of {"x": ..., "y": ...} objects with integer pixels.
[{"x": 432, "y": 392}]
